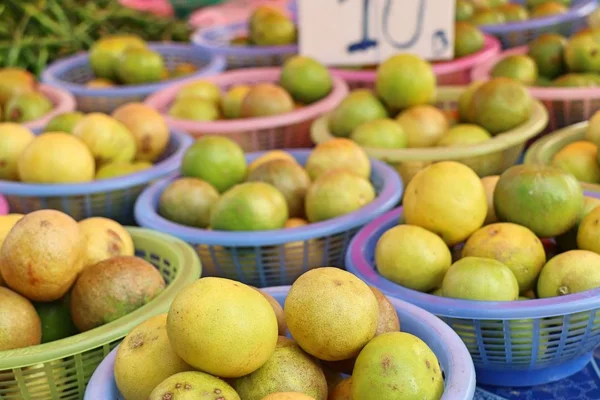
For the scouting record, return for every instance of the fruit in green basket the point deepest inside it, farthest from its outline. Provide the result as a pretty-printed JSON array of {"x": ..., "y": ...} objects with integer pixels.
[
  {"x": 117, "y": 169},
  {"x": 358, "y": 107},
  {"x": 27, "y": 107},
  {"x": 338, "y": 153},
  {"x": 272, "y": 29},
  {"x": 266, "y": 100},
  {"x": 288, "y": 396},
  {"x": 383, "y": 367},
  {"x": 56, "y": 320},
  {"x": 424, "y": 125},
  {"x": 250, "y": 206},
  {"x": 542, "y": 198},
  {"x": 548, "y": 53},
  {"x": 342, "y": 391},
  {"x": 468, "y": 39},
  {"x": 105, "y": 54},
  {"x": 281, "y": 325},
  {"x": 64, "y": 122},
  {"x": 488, "y": 16},
  {"x": 231, "y": 103},
  {"x": 56, "y": 157},
  {"x": 543, "y": 82},
  {"x": 582, "y": 54},
  {"x": 433, "y": 189},
  {"x": 580, "y": 159},
  {"x": 568, "y": 241},
  {"x": 489, "y": 183},
  {"x": 306, "y": 79},
  {"x": 14, "y": 82},
  {"x": 587, "y": 234},
  {"x": 464, "y": 134},
  {"x": 217, "y": 160},
  {"x": 146, "y": 358},
  {"x": 20, "y": 325},
  {"x": 288, "y": 369},
  {"x": 140, "y": 65},
  {"x": 501, "y": 104},
  {"x": 193, "y": 385},
  {"x": 289, "y": 178},
  {"x": 465, "y": 99},
  {"x": 14, "y": 138},
  {"x": 412, "y": 257},
  {"x": 331, "y": 313},
  {"x": 188, "y": 201},
  {"x": 464, "y": 10},
  {"x": 405, "y": 80},
  {"x": 481, "y": 279},
  {"x": 519, "y": 67},
  {"x": 237, "y": 342},
  {"x": 270, "y": 156},
  {"x": 42, "y": 255},
  {"x": 203, "y": 89},
  {"x": 108, "y": 139},
  {"x": 337, "y": 193},
  {"x": 567, "y": 273},
  {"x": 547, "y": 9},
  {"x": 100, "y": 83},
  {"x": 592, "y": 133},
  {"x": 380, "y": 133},
  {"x": 104, "y": 238},
  {"x": 195, "y": 109},
  {"x": 113, "y": 288},
  {"x": 514, "y": 12},
  {"x": 514, "y": 246},
  {"x": 148, "y": 127}
]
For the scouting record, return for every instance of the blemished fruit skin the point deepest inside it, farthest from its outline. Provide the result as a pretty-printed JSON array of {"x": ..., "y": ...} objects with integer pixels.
[
  {"x": 27, "y": 107},
  {"x": 20, "y": 325},
  {"x": 193, "y": 385},
  {"x": 104, "y": 238},
  {"x": 266, "y": 100}
]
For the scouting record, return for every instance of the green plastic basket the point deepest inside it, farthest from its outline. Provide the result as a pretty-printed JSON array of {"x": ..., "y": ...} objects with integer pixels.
[
  {"x": 488, "y": 158},
  {"x": 183, "y": 8},
  {"x": 60, "y": 370},
  {"x": 542, "y": 151}
]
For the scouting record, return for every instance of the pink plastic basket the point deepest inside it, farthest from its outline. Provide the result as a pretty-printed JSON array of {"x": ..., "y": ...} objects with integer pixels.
[
  {"x": 291, "y": 130},
  {"x": 157, "y": 7},
  {"x": 63, "y": 102},
  {"x": 455, "y": 72},
  {"x": 566, "y": 106},
  {"x": 3, "y": 206}
]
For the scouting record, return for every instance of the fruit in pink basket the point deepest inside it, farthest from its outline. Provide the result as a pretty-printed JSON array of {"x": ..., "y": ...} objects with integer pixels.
[
  {"x": 56, "y": 157},
  {"x": 514, "y": 12},
  {"x": 105, "y": 54},
  {"x": 358, "y": 107},
  {"x": 482, "y": 279},
  {"x": 140, "y": 65},
  {"x": 468, "y": 39},
  {"x": 405, "y": 80},
  {"x": 521, "y": 68},
  {"x": 548, "y": 8},
  {"x": 335, "y": 154},
  {"x": 231, "y": 103},
  {"x": 544, "y": 199},
  {"x": 548, "y": 53},
  {"x": 270, "y": 156},
  {"x": 14, "y": 138},
  {"x": 306, "y": 79},
  {"x": 195, "y": 109},
  {"x": 265, "y": 100},
  {"x": 64, "y": 122},
  {"x": 582, "y": 54},
  {"x": 217, "y": 160},
  {"x": 380, "y": 133},
  {"x": 188, "y": 201},
  {"x": 193, "y": 385},
  {"x": 13, "y": 82},
  {"x": 27, "y": 107},
  {"x": 272, "y": 28},
  {"x": 424, "y": 125},
  {"x": 567, "y": 273},
  {"x": 579, "y": 158},
  {"x": 202, "y": 89},
  {"x": 148, "y": 127},
  {"x": 19, "y": 323}
]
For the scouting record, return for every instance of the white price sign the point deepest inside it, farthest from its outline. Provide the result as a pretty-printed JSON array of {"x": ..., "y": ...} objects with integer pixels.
[{"x": 360, "y": 32}]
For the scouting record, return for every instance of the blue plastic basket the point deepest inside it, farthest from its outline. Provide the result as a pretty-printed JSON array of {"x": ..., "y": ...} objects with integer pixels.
[
  {"x": 73, "y": 72},
  {"x": 518, "y": 343},
  {"x": 521, "y": 33},
  {"x": 216, "y": 40},
  {"x": 451, "y": 353},
  {"x": 276, "y": 257},
  {"x": 111, "y": 198}
]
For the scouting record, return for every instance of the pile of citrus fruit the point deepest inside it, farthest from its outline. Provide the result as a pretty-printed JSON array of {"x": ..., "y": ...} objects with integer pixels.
[{"x": 20, "y": 97}]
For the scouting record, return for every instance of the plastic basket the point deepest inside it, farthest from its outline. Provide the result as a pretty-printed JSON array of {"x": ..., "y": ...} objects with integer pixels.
[
  {"x": 455, "y": 72},
  {"x": 60, "y": 370},
  {"x": 521, "y": 33},
  {"x": 450, "y": 351},
  {"x": 216, "y": 40},
  {"x": 291, "y": 130},
  {"x": 3, "y": 206},
  {"x": 566, "y": 106},
  {"x": 275, "y": 257},
  {"x": 72, "y": 73},
  {"x": 111, "y": 198},
  {"x": 487, "y": 158},
  {"x": 158, "y": 7},
  {"x": 62, "y": 101},
  {"x": 183, "y": 8},
  {"x": 547, "y": 340}
]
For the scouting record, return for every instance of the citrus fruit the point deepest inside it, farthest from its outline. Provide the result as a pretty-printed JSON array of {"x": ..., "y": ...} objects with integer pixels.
[
  {"x": 188, "y": 201},
  {"x": 521, "y": 68},
  {"x": 269, "y": 156},
  {"x": 548, "y": 53},
  {"x": 231, "y": 103},
  {"x": 380, "y": 133},
  {"x": 19, "y": 323},
  {"x": 357, "y": 108},
  {"x": 424, "y": 125},
  {"x": 193, "y": 385},
  {"x": 195, "y": 109},
  {"x": 579, "y": 158},
  {"x": 513, "y": 12},
  {"x": 489, "y": 183},
  {"x": 571, "y": 272},
  {"x": 338, "y": 153},
  {"x": 306, "y": 79},
  {"x": 56, "y": 320},
  {"x": 265, "y": 100},
  {"x": 200, "y": 89},
  {"x": 588, "y": 237},
  {"x": 14, "y": 138},
  {"x": 140, "y": 65},
  {"x": 468, "y": 39}
]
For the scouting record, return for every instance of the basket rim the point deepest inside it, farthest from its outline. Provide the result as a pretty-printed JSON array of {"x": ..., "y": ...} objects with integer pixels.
[
  {"x": 160, "y": 169},
  {"x": 50, "y": 74},
  {"x": 460, "y": 380},
  {"x": 483, "y": 72},
  {"x": 147, "y": 216},
  {"x": 161, "y": 99},
  {"x": 190, "y": 269},
  {"x": 581, "y": 9},
  {"x": 491, "y": 48},
  {"x": 202, "y": 38},
  {"x": 4, "y": 209},
  {"x": 534, "y": 125},
  {"x": 457, "y": 308},
  {"x": 62, "y": 100}
]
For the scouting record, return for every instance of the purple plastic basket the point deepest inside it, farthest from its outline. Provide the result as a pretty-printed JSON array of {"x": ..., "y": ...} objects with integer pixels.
[
  {"x": 521, "y": 33},
  {"x": 517, "y": 343},
  {"x": 73, "y": 72},
  {"x": 62, "y": 102},
  {"x": 450, "y": 351},
  {"x": 217, "y": 41}
]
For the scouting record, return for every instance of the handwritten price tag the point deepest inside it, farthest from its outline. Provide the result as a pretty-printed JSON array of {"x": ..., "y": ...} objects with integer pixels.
[{"x": 359, "y": 32}]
